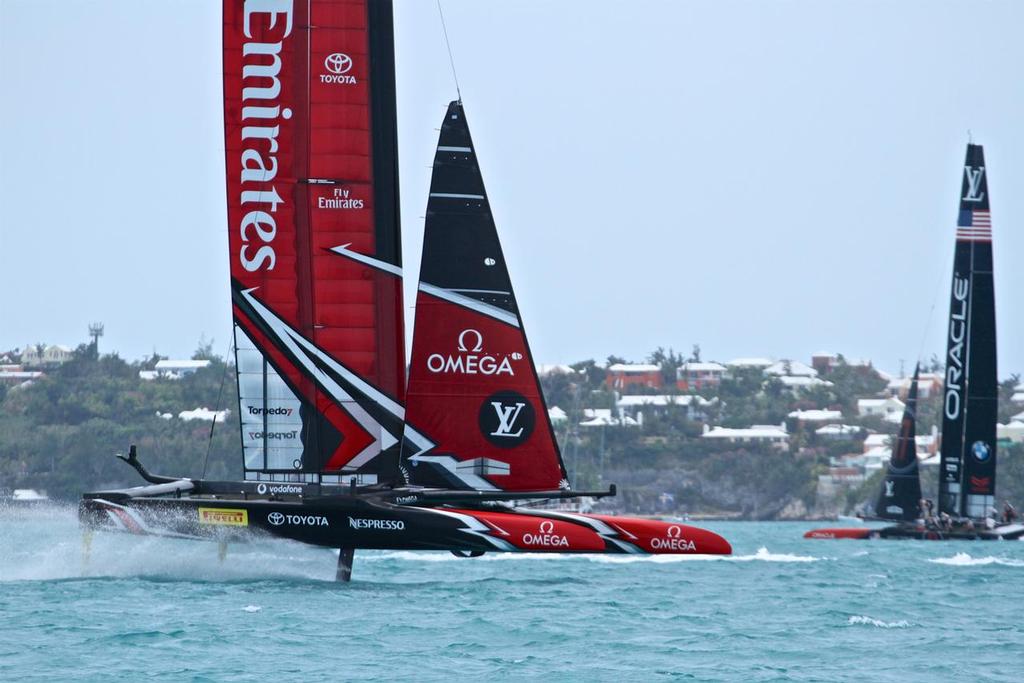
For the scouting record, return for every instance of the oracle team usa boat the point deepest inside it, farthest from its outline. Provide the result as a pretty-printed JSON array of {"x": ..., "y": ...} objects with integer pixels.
[
  {"x": 967, "y": 471},
  {"x": 339, "y": 449}
]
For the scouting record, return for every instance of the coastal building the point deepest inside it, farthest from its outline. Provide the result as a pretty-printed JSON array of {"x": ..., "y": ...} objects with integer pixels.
[
  {"x": 660, "y": 404},
  {"x": 889, "y": 409},
  {"x": 605, "y": 417},
  {"x": 776, "y": 435},
  {"x": 556, "y": 415},
  {"x": 13, "y": 375},
  {"x": 41, "y": 355},
  {"x": 543, "y": 370},
  {"x": 746, "y": 363},
  {"x": 823, "y": 361},
  {"x": 624, "y": 376},
  {"x": 798, "y": 382},
  {"x": 694, "y": 376},
  {"x": 790, "y": 368},
  {"x": 839, "y": 432},
  {"x": 1013, "y": 432},
  {"x": 173, "y": 369},
  {"x": 928, "y": 384},
  {"x": 815, "y": 415}
]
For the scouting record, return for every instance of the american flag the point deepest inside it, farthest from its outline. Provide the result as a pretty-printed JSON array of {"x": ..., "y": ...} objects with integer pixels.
[{"x": 974, "y": 226}]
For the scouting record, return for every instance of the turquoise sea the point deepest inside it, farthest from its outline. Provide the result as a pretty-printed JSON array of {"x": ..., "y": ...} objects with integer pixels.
[{"x": 781, "y": 608}]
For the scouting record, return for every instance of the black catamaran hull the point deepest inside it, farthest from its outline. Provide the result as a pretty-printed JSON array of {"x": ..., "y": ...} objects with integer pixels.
[
  {"x": 1007, "y": 532},
  {"x": 360, "y": 521}
]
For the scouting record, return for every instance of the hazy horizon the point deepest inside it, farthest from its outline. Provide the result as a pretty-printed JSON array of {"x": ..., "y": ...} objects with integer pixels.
[{"x": 761, "y": 179}]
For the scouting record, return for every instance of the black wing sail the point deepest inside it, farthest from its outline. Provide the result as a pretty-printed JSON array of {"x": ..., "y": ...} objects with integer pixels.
[
  {"x": 967, "y": 476},
  {"x": 900, "y": 497}
]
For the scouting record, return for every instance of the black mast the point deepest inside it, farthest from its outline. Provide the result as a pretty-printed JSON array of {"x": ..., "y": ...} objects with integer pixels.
[{"x": 967, "y": 476}]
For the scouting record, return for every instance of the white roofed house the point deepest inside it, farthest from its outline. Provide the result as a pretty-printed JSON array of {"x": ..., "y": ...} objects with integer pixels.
[
  {"x": 1013, "y": 432},
  {"x": 795, "y": 376},
  {"x": 661, "y": 404},
  {"x": 928, "y": 384},
  {"x": 693, "y": 376},
  {"x": 816, "y": 415},
  {"x": 889, "y": 409},
  {"x": 173, "y": 369},
  {"x": 40, "y": 355},
  {"x": 838, "y": 432},
  {"x": 759, "y": 363},
  {"x": 606, "y": 417},
  {"x": 557, "y": 416},
  {"x": 545, "y": 370},
  {"x": 790, "y": 368},
  {"x": 774, "y": 435},
  {"x": 798, "y": 382}
]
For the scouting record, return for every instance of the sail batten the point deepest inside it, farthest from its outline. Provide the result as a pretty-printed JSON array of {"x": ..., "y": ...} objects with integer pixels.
[{"x": 967, "y": 475}]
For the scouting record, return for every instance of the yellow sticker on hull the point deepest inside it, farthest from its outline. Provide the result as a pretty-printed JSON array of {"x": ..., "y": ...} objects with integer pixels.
[{"x": 224, "y": 516}]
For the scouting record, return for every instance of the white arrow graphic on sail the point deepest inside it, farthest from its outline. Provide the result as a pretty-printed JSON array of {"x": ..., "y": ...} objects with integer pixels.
[{"x": 306, "y": 351}]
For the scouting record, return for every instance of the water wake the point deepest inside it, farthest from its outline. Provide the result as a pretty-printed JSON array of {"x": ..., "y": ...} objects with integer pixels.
[
  {"x": 965, "y": 560},
  {"x": 762, "y": 555},
  {"x": 878, "y": 623}
]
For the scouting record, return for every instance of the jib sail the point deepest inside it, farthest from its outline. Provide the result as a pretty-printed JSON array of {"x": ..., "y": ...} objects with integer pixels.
[
  {"x": 967, "y": 476},
  {"x": 310, "y": 135},
  {"x": 900, "y": 497},
  {"x": 476, "y": 418}
]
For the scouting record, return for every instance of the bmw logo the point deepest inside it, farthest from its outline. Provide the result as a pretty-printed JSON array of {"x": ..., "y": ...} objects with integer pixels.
[
  {"x": 275, "y": 518},
  {"x": 980, "y": 450}
]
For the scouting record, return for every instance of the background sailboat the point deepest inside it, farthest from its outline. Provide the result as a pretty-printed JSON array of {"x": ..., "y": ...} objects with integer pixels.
[{"x": 967, "y": 474}]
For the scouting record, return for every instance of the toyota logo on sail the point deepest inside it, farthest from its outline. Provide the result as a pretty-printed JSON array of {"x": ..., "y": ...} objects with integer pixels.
[
  {"x": 338, "y": 63},
  {"x": 275, "y": 518}
]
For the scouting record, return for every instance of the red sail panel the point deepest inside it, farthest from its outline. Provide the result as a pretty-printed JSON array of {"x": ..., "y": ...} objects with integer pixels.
[
  {"x": 476, "y": 417},
  {"x": 313, "y": 231}
]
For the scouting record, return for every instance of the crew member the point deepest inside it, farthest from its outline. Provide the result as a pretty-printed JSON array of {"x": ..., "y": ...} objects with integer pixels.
[{"x": 1009, "y": 513}]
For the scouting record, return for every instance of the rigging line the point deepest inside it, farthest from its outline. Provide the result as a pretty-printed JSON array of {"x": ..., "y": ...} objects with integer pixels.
[
  {"x": 216, "y": 410},
  {"x": 451, "y": 58},
  {"x": 931, "y": 313}
]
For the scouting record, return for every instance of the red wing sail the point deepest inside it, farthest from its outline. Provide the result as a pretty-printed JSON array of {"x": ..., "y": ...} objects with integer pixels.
[
  {"x": 309, "y": 120},
  {"x": 476, "y": 418}
]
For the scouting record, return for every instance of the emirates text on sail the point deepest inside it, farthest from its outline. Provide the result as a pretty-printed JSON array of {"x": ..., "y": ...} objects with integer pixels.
[{"x": 261, "y": 90}]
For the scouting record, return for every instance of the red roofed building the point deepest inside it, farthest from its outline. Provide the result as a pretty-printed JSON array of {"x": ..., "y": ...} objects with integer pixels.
[{"x": 624, "y": 376}]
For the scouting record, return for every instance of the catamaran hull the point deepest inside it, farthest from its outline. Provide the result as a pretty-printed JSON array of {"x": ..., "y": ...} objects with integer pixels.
[
  {"x": 349, "y": 522},
  {"x": 1006, "y": 532}
]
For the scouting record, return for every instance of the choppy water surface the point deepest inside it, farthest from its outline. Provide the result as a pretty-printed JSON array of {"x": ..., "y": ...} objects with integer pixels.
[{"x": 781, "y": 608}]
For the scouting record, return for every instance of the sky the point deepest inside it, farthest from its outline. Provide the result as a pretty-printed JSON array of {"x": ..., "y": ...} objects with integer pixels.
[{"x": 759, "y": 178}]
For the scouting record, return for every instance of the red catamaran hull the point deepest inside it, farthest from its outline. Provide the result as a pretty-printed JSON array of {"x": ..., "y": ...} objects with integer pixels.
[
  {"x": 920, "y": 532},
  {"x": 355, "y": 522}
]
